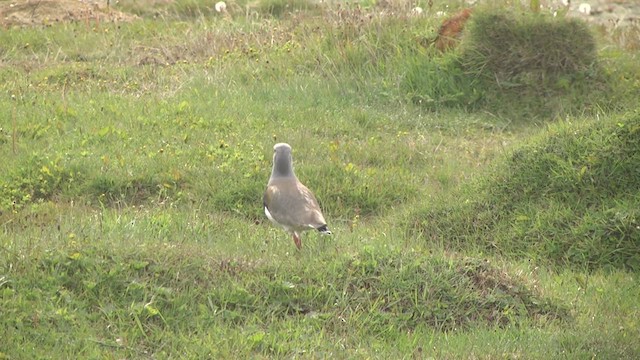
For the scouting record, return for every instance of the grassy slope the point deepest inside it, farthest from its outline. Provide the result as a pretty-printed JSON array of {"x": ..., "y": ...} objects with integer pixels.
[
  {"x": 568, "y": 197},
  {"x": 136, "y": 231}
]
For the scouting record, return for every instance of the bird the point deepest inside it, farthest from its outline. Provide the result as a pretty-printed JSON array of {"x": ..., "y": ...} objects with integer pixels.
[{"x": 287, "y": 202}]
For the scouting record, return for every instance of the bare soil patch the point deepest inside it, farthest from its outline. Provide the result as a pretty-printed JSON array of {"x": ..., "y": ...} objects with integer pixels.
[{"x": 48, "y": 12}]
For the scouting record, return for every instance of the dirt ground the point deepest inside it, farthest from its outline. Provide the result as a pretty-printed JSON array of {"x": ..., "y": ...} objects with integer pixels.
[{"x": 46, "y": 12}]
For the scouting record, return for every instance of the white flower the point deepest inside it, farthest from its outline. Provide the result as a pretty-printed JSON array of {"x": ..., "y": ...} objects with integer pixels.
[
  {"x": 584, "y": 8},
  {"x": 416, "y": 10},
  {"x": 221, "y": 6}
]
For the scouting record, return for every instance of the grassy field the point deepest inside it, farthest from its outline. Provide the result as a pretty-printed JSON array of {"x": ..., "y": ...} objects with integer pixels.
[{"x": 477, "y": 211}]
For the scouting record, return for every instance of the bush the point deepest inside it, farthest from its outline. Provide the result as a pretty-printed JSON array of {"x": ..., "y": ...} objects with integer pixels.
[
  {"x": 518, "y": 66},
  {"x": 508, "y": 46},
  {"x": 533, "y": 65}
]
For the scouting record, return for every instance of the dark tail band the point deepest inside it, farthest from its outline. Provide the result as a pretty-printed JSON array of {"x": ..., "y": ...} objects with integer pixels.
[{"x": 324, "y": 229}]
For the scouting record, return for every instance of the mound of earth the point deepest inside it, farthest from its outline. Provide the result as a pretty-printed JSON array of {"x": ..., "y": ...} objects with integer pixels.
[{"x": 47, "y": 12}]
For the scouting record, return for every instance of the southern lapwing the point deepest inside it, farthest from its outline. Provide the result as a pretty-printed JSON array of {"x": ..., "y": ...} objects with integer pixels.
[{"x": 287, "y": 202}]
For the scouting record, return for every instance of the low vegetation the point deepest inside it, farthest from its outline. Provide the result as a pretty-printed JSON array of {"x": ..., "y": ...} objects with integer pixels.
[
  {"x": 568, "y": 197},
  {"x": 522, "y": 67},
  {"x": 483, "y": 200},
  {"x": 137, "y": 301}
]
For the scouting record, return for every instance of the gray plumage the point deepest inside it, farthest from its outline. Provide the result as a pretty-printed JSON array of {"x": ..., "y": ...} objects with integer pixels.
[{"x": 287, "y": 202}]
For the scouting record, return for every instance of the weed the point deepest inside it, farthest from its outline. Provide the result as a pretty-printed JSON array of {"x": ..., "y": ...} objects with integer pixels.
[{"x": 39, "y": 179}]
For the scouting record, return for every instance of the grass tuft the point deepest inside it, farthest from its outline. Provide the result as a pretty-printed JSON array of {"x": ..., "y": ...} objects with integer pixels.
[
  {"x": 534, "y": 66},
  {"x": 526, "y": 67},
  {"x": 508, "y": 46}
]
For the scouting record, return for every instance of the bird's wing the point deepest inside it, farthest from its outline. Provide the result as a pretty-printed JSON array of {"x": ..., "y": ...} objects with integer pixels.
[
  {"x": 311, "y": 215},
  {"x": 292, "y": 204}
]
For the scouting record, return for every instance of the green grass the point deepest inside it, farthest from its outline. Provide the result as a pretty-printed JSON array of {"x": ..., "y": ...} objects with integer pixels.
[
  {"x": 569, "y": 197},
  {"x": 130, "y": 202}
]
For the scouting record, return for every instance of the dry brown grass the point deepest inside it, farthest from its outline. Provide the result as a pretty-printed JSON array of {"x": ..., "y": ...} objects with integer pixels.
[{"x": 451, "y": 30}]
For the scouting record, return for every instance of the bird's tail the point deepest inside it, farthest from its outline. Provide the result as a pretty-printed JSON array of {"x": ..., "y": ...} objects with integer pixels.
[{"x": 324, "y": 229}]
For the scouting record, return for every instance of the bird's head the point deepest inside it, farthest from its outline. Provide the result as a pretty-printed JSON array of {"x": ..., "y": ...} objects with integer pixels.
[{"x": 282, "y": 161}]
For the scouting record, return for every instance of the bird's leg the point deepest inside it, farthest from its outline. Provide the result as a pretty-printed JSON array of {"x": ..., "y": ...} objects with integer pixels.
[{"x": 296, "y": 240}]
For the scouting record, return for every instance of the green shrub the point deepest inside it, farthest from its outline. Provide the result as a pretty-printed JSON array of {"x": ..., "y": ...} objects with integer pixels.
[
  {"x": 534, "y": 65},
  {"x": 507, "y": 46},
  {"x": 525, "y": 67}
]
